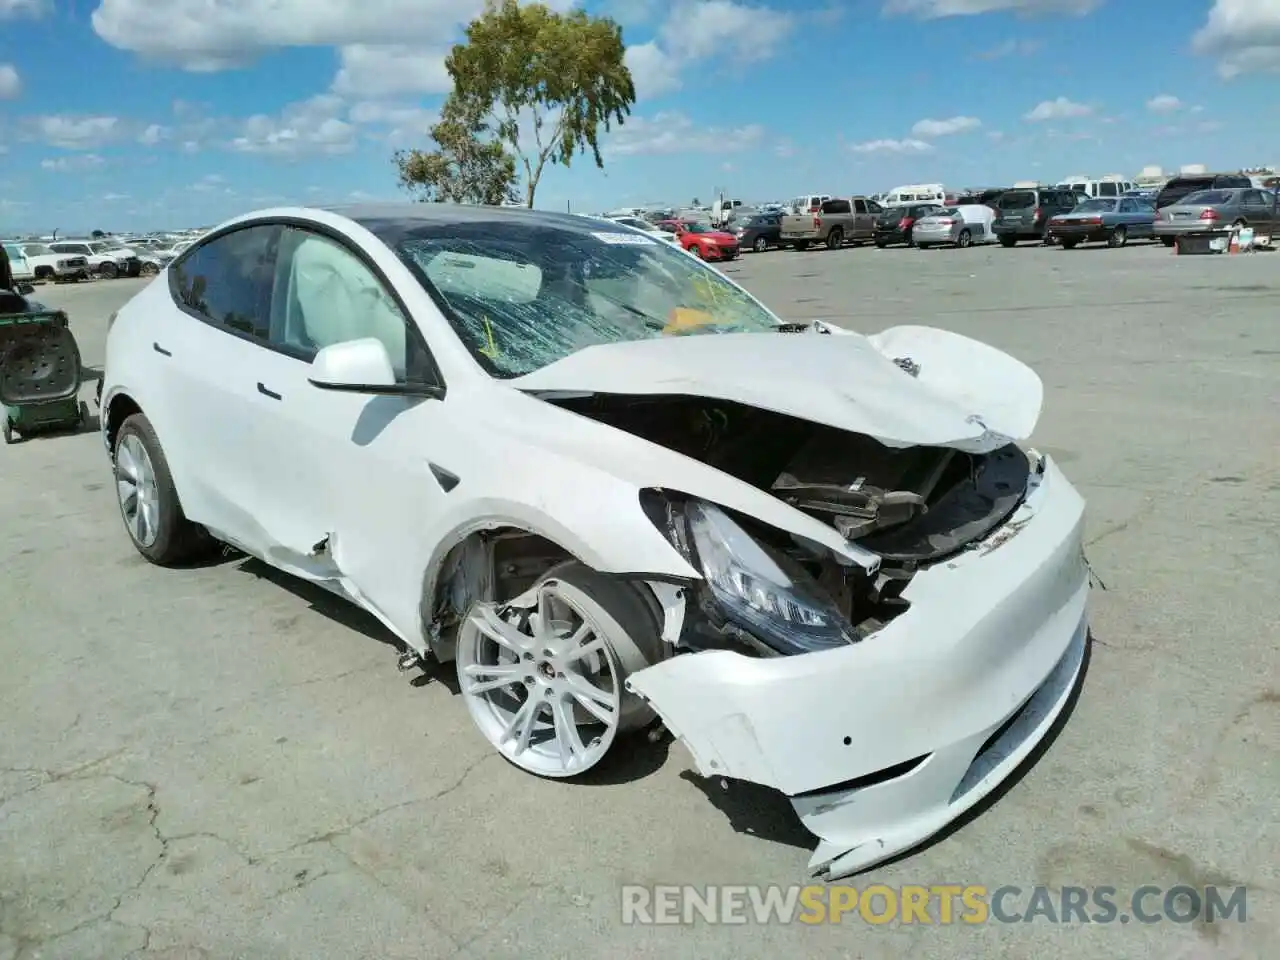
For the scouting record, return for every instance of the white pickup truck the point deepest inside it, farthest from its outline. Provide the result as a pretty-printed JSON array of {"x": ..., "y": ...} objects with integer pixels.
[{"x": 48, "y": 264}]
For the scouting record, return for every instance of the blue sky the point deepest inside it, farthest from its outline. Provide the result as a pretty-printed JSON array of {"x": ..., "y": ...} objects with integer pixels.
[{"x": 147, "y": 114}]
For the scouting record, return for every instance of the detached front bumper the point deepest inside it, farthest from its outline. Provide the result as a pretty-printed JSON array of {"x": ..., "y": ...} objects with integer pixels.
[{"x": 881, "y": 744}]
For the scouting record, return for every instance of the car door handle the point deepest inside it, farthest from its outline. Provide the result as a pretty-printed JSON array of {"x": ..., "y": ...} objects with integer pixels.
[
  {"x": 160, "y": 350},
  {"x": 262, "y": 389}
]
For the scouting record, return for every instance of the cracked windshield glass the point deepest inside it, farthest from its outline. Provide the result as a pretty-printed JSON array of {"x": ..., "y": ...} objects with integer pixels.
[{"x": 522, "y": 297}]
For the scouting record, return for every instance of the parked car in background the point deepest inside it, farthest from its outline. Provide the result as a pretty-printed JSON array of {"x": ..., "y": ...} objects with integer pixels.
[
  {"x": 988, "y": 197},
  {"x": 1215, "y": 210},
  {"x": 808, "y": 203},
  {"x": 1186, "y": 184},
  {"x": 103, "y": 258},
  {"x": 639, "y": 223},
  {"x": 48, "y": 264},
  {"x": 1112, "y": 220},
  {"x": 761, "y": 232},
  {"x": 955, "y": 226},
  {"x": 838, "y": 221},
  {"x": 1024, "y": 213},
  {"x": 19, "y": 266},
  {"x": 701, "y": 240},
  {"x": 895, "y": 224}
]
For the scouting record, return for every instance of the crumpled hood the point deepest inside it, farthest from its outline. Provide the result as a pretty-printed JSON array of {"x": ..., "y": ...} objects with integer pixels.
[{"x": 964, "y": 394}]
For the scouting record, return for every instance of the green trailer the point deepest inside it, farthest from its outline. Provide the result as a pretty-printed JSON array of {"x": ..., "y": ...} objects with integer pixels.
[{"x": 39, "y": 370}]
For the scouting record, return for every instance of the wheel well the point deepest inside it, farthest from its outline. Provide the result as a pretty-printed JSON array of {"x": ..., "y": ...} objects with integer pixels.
[
  {"x": 119, "y": 410},
  {"x": 495, "y": 564}
]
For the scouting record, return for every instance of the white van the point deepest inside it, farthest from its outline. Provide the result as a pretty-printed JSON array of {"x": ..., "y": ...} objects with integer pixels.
[
  {"x": 809, "y": 203},
  {"x": 1113, "y": 185},
  {"x": 915, "y": 193}
]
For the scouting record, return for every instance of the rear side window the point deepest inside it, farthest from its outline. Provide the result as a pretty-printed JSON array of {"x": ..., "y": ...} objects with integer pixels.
[
  {"x": 1018, "y": 200},
  {"x": 1179, "y": 187},
  {"x": 229, "y": 280},
  {"x": 1108, "y": 189},
  {"x": 1208, "y": 197},
  {"x": 1230, "y": 180},
  {"x": 836, "y": 206}
]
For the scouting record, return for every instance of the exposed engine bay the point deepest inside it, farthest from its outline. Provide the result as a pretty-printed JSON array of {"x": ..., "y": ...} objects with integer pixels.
[{"x": 912, "y": 506}]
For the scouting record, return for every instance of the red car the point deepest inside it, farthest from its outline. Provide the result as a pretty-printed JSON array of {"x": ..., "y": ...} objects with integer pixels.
[{"x": 700, "y": 240}]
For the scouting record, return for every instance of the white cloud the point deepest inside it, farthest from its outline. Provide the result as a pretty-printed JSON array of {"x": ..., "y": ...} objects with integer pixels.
[
  {"x": 308, "y": 127},
  {"x": 1059, "y": 109},
  {"x": 72, "y": 132},
  {"x": 115, "y": 197},
  {"x": 670, "y": 132},
  {"x": 1243, "y": 34},
  {"x": 725, "y": 32},
  {"x": 934, "y": 9},
  {"x": 945, "y": 128},
  {"x": 13, "y": 9},
  {"x": 1164, "y": 103},
  {"x": 387, "y": 71},
  {"x": 892, "y": 146},
  {"x": 652, "y": 71},
  {"x": 84, "y": 161},
  {"x": 401, "y": 125},
  {"x": 153, "y": 134},
  {"x": 10, "y": 82},
  {"x": 1010, "y": 48}
]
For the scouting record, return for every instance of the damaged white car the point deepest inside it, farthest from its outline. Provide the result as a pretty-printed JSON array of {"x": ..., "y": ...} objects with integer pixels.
[{"x": 612, "y": 486}]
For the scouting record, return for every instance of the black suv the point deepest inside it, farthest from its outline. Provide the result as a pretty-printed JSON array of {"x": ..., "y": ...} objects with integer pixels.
[
  {"x": 1186, "y": 184},
  {"x": 1024, "y": 213},
  {"x": 894, "y": 224}
]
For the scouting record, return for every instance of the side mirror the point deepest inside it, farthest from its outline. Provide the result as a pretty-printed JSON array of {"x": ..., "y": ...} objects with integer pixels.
[
  {"x": 24, "y": 289},
  {"x": 360, "y": 366}
]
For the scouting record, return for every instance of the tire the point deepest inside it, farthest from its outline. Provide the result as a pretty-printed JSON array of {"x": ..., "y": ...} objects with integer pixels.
[
  {"x": 1118, "y": 237},
  {"x": 882, "y": 244},
  {"x": 1008, "y": 240},
  {"x": 697, "y": 252},
  {"x": 6, "y": 429},
  {"x": 1168, "y": 241},
  {"x": 964, "y": 240},
  {"x": 108, "y": 271},
  {"x": 760, "y": 245},
  {"x": 497, "y": 695},
  {"x": 175, "y": 539},
  {"x": 835, "y": 239},
  {"x": 923, "y": 246},
  {"x": 1069, "y": 244},
  {"x": 802, "y": 245},
  {"x": 148, "y": 270},
  {"x": 45, "y": 273}
]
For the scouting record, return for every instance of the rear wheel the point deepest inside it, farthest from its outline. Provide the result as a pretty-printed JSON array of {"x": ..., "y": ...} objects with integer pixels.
[
  {"x": 761, "y": 245},
  {"x": 835, "y": 239},
  {"x": 802, "y": 244},
  {"x": 544, "y": 675},
  {"x": 148, "y": 270},
  {"x": 108, "y": 270},
  {"x": 882, "y": 243},
  {"x": 1008, "y": 240},
  {"x": 148, "y": 500},
  {"x": 1069, "y": 244},
  {"x": 1118, "y": 237},
  {"x": 964, "y": 239},
  {"x": 1168, "y": 241}
]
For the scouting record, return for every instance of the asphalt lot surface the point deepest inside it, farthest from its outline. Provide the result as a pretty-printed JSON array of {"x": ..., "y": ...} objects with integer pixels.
[{"x": 219, "y": 762}]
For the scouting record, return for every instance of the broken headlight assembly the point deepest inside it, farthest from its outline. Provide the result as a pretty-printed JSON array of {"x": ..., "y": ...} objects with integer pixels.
[{"x": 753, "y": 586}]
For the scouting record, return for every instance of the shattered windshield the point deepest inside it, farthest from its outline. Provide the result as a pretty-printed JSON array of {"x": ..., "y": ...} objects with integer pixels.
[{"x": 524, "y": 295}]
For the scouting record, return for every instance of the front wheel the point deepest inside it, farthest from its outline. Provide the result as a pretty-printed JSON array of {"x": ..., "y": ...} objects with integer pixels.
[
  {"x": 544, "y": 675},
  {"x": 148, "y": 270},
  {"x": 882, "y": 244},
  {"x": 761, "y": 245},
  {"x": 697, "y": 252},
  {"x": 1118, "y": 237},
  {"x": 108, "y": 271}
]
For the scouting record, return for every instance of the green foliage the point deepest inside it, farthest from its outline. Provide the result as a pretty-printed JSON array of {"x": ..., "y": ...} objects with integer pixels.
[
  {"x": 467, "y": 166},
  {"x": 547, "y": 81}
]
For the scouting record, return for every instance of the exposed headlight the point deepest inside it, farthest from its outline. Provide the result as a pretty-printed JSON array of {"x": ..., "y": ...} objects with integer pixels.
[{"x": 755, "y": 586}]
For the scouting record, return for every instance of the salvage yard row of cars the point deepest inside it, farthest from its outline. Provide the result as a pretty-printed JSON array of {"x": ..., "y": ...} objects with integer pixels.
[
  {"x": 763, "y": 559},
  {"x": 84, "y": 259},
  {"x": 1060, "y": 214}
]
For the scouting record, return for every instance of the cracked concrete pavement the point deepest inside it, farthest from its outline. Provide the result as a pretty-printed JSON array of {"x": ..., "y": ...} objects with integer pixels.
[{"x": 222, "y": 763}]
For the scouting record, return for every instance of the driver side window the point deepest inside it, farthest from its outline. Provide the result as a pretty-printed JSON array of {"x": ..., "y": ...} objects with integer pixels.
[{"x": 324, "y": 294}]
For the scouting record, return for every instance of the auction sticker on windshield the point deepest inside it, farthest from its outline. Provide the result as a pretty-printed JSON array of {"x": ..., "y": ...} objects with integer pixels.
[{"x": 624, "y": 239}]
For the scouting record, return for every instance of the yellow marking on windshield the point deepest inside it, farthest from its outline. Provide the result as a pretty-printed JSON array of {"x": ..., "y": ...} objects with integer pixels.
[{"x": 490, "y": 349}]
